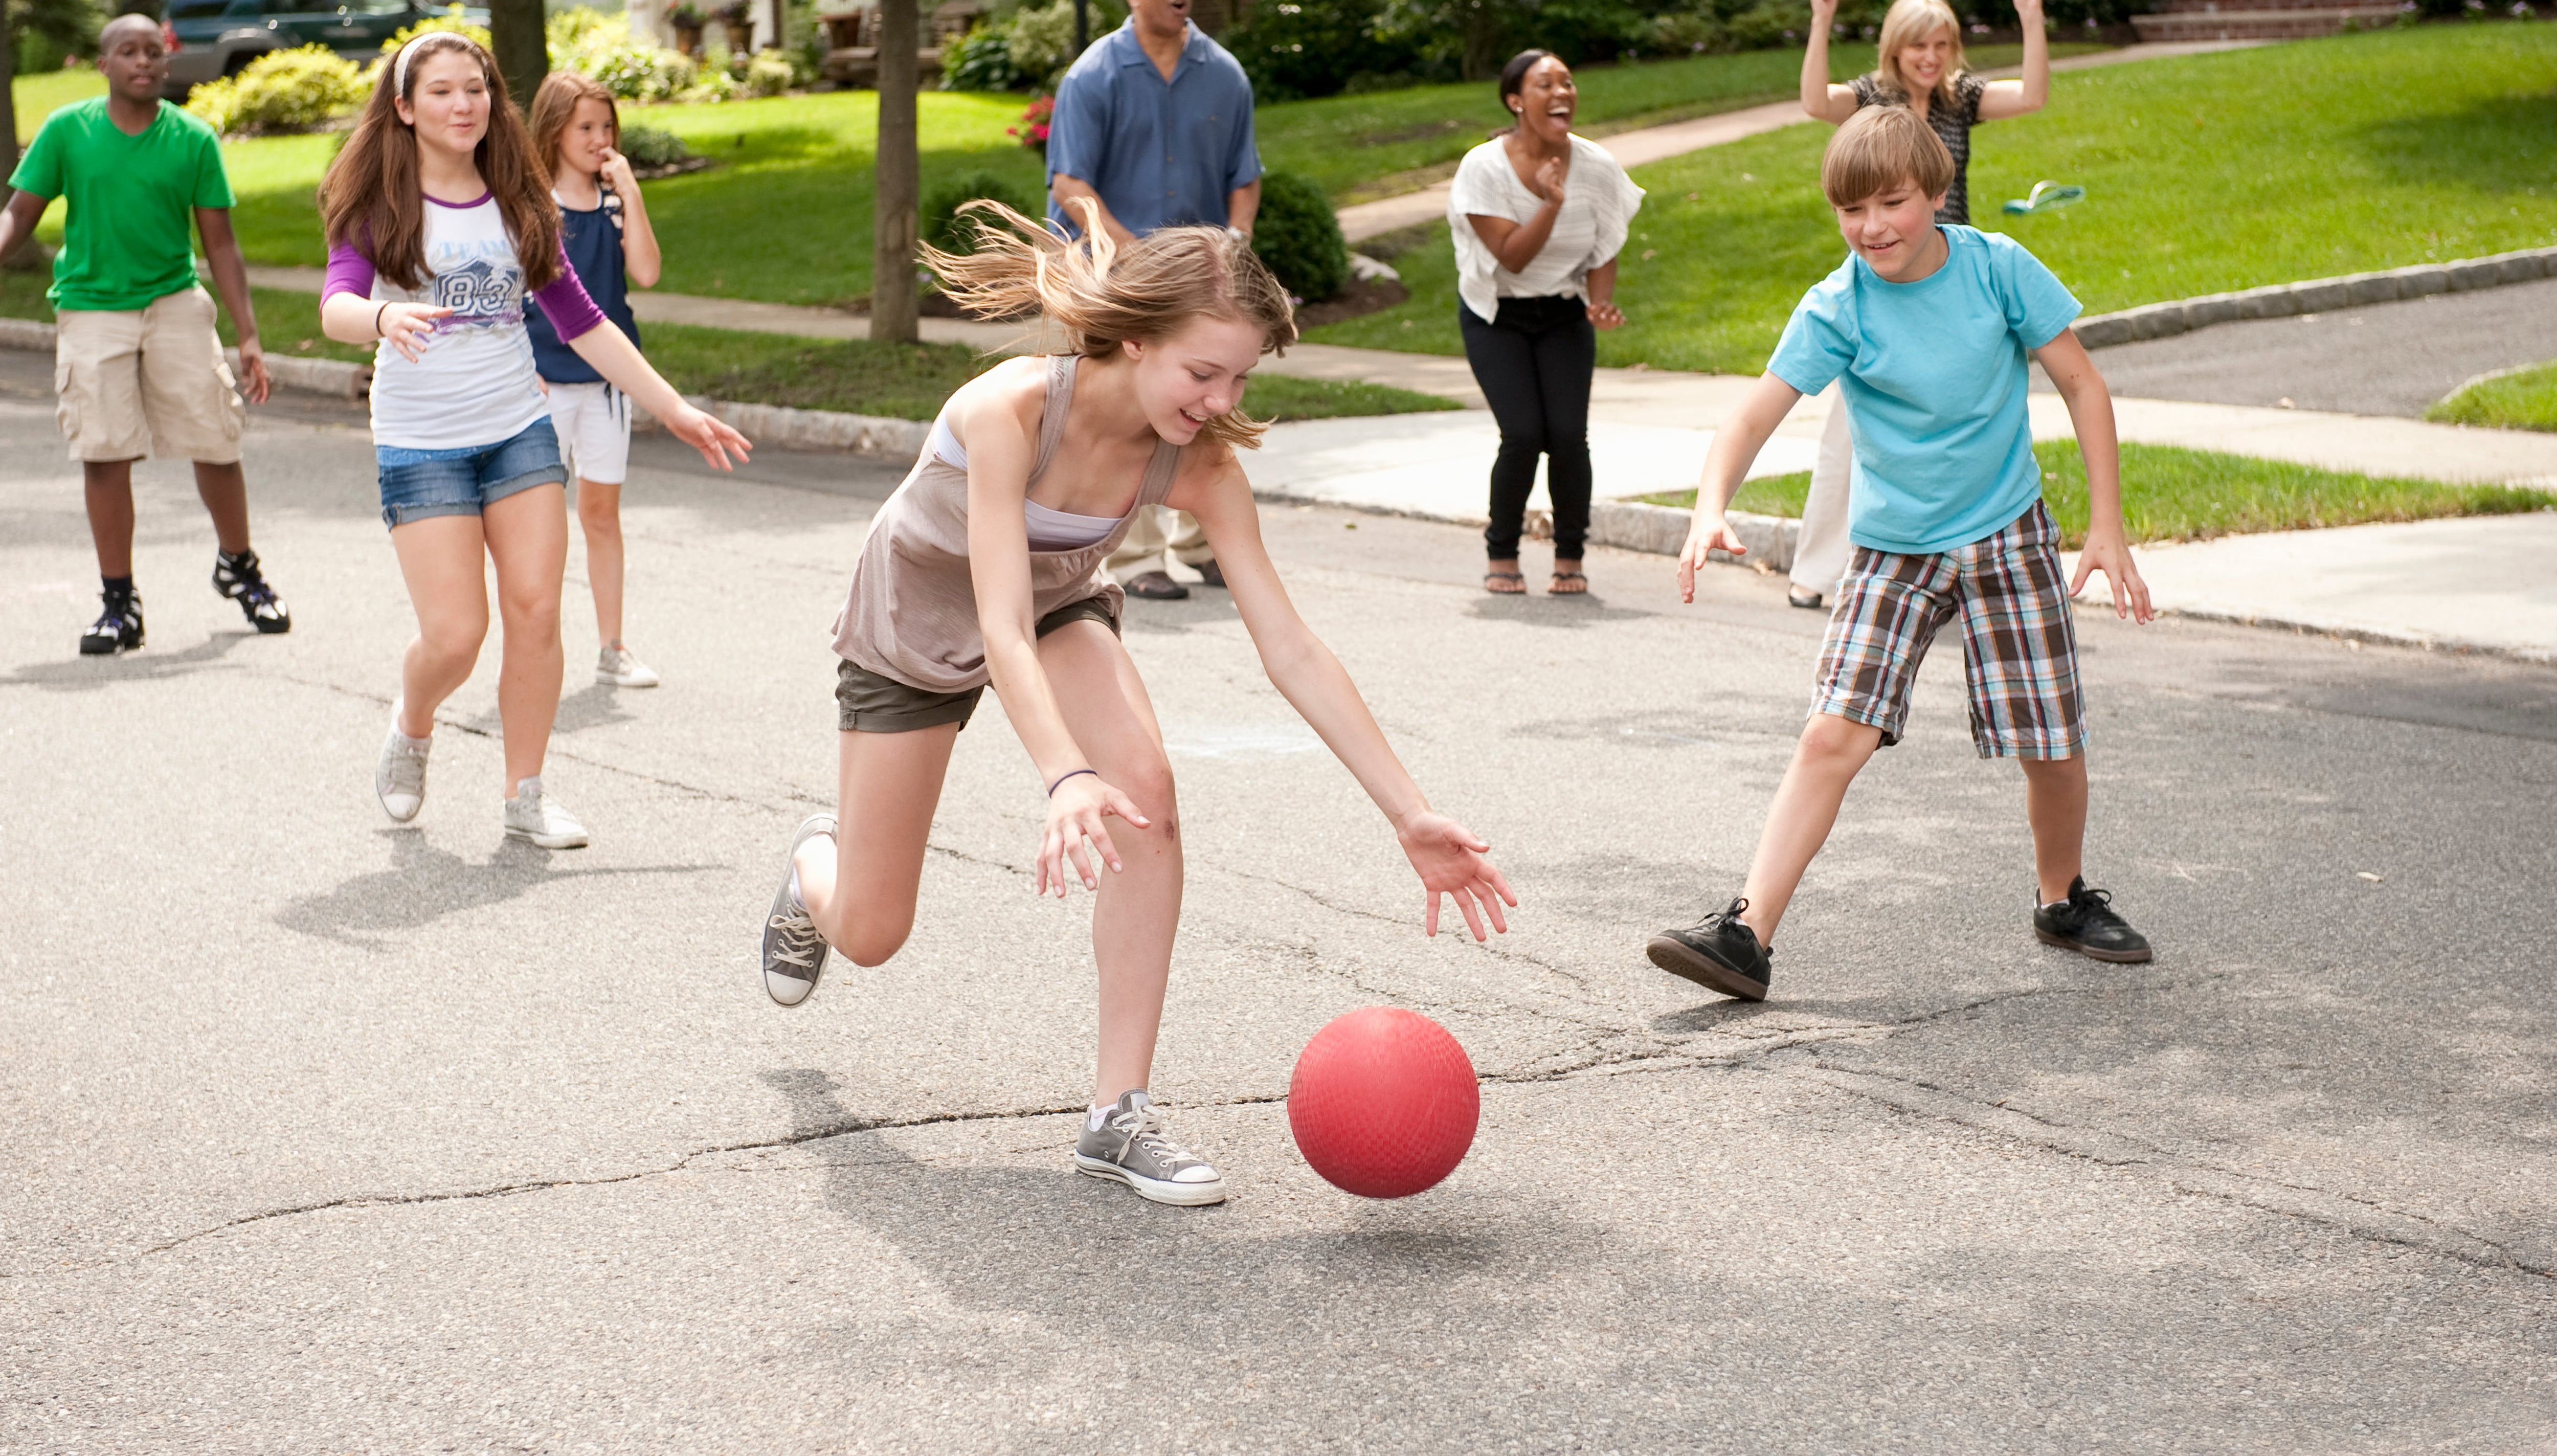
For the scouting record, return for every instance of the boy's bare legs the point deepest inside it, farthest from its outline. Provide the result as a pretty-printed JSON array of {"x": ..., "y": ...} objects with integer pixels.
[
  {"x": 2054, "y": 802},
  {"x": 1827, "y": 757},
  {"x": 108, "y": 485},
  {"x": 859, "y": 882},
  {"x": 225, "y": 490},
  {"x": 598, "y": 510}
]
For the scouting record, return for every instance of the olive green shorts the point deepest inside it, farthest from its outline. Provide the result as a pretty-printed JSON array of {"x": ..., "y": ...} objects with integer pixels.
[{"x": 867, "y": 703}]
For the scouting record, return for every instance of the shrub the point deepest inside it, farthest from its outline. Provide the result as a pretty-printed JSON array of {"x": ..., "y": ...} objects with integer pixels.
[
  {"x": 281, "y": 90},
  {"x": 981, "y": 60},
  {"x": 648, "y": 146},
  {"x": 947, "y": 229},
  {"x": 768, "y": 73},
  {"x": 1295, "y": 49},
  {"x": 600, "y": 46},
  {"x": 1297, "y": 235},
  {"x": 1041, "y": 42}
]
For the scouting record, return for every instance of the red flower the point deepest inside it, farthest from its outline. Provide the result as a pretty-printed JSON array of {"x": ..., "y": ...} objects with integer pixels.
[{"x": 1034, "y": 124}]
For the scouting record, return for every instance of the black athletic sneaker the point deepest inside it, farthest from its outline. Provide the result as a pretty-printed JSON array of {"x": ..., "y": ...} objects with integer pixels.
[
  {"x": 117, "y": 629},
  {"x": 237, "y": 578},
  {"x": 2086, "y": 923},
  {"x": 1720, "y": 954}
]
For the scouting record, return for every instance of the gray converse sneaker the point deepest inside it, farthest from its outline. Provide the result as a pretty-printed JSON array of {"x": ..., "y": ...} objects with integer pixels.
[
  {"x": 531, "y": 815},
  {"x": 619, "y": 667},
  {"x": 1133, "y": 1145},
  {"x": 793, "y": 954},
  {"x": 399, "y": 775}
]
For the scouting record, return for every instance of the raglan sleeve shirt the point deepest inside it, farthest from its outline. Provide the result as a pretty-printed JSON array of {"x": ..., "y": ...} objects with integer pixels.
[{"x": 564, "y": 300}]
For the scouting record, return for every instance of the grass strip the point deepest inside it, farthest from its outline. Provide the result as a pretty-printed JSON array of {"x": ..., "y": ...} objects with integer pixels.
[
  {"x": 2520, "y": 399},
  {"x": 2177, "y": 495},
  {"x": 2393, "y": 148},
  {"x": 902, "y": 381}
]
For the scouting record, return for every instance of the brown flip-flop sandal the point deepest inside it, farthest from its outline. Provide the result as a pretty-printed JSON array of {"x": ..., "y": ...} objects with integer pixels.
[
  {"x": 1518, "y": 580},
  {"x": 1558, "y": 589}
]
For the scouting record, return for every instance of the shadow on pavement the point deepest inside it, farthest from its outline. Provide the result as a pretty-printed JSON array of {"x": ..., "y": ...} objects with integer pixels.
[
  {"x": 1537, "y": 609},
  {"x": 424, "y": 885},
  {"x": 76, "y": 674}
]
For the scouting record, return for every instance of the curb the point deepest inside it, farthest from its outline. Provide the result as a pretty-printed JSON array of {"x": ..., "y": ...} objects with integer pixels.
[
  {"x": 875, "y": 436},
  {"x": 2316, "y": 295},
  {"x": 317, "y": 376},
  {"x": 1627, "y": 525},
  {"x": 2375, "y": 637}
]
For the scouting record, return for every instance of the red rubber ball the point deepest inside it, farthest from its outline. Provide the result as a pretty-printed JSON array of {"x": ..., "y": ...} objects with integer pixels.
[{"x": 1384, "y": 1102}]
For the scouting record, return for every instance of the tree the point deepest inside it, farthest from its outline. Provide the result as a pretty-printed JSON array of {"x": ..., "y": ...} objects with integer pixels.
[
  {"x": 899, "y": 179},
  {"x": 524, "y": 52}
]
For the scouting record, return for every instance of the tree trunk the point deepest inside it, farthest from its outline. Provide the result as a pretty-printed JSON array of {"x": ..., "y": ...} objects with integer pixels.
[
  {"x": 898, "y": 178},
  {"x": 1482, "y": 34},
  {"x": 8, "y": 77},
  {"x": 523, "y": 55}
]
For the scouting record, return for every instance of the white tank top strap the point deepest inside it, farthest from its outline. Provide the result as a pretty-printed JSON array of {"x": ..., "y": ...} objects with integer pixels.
[{"x": 944, "y": 445}]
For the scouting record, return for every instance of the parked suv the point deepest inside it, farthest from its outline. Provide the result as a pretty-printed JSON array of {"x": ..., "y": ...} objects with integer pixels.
[{"x": 217, "y": 38}]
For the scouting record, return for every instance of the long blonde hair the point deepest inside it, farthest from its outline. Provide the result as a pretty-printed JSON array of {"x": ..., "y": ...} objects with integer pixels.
[
  {"x": 1911, "y": 23},
  {"x": 1102, "y": 293}
]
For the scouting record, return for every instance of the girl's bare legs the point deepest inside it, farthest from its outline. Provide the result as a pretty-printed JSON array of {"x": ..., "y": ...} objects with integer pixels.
[
  {"x": 1139, "y": 908},
  {"x": 859, "y": 882},
  {"x": 1831, "y": 752},
  {"x": 527, "y": 534},
  {"x": 598, "y": 510},
  {"x": 444, "y": 564}
]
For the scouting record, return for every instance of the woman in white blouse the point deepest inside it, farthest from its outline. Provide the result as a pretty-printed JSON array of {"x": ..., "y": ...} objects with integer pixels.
[{"x": 1538, "y": 216}]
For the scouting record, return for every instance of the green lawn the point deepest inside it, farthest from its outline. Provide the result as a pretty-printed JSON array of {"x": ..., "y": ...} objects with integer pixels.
[
  {"x": 36, "y": 95},
  {"x": 2173, "y": 494},
  {"x": 2524, "y": 399},
  {"x": 906, "y": 382},
  {"x": 2383, "y": 150}
]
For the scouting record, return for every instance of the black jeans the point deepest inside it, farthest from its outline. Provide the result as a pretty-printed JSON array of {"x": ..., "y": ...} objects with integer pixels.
[{"x": 1533, "y": 363}]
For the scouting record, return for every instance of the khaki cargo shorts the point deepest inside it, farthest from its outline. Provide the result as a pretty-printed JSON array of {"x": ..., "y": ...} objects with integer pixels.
[{"x": 147, "y": 382}]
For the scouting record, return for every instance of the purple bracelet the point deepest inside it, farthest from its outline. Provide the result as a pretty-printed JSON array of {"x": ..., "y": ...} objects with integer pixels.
[{"x": 1051, "y": 788}]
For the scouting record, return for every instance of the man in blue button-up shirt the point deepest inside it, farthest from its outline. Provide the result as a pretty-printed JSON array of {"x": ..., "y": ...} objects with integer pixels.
[{"x": 1155, "y": 123}]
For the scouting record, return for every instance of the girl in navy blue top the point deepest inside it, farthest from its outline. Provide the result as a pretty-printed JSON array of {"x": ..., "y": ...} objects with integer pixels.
[{"x": 605, "y": 230}]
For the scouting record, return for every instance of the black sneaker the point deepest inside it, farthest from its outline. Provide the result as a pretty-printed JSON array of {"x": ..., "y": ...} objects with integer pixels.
[
  {"x": 237, "y": 578},
  {"x": 1720, "y": 954},
  {"x": 2086, "y": 923},
  {"x": 117, "y": 629}
]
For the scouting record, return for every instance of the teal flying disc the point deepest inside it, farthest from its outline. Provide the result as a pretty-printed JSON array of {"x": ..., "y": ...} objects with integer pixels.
[{"x": 2047, "y": 196}]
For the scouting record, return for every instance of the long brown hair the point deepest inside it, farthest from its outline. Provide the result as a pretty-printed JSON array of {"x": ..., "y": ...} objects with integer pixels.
[
  {"x": 554, "y": 103},
  {"x": 1103, "y": 295},
  {"x": 371, "y": 200}
]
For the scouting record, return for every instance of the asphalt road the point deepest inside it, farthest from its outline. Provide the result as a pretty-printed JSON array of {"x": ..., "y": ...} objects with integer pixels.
[
  {"x": 2384, "y": 359},
  {"x": 331, "y": 1136}
]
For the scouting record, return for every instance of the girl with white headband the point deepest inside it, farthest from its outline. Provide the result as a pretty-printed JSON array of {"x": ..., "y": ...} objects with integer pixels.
[{"x": 440, "y": 221}]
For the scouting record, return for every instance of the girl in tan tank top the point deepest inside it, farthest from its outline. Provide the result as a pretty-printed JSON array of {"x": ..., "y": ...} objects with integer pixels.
[{"x": 984, "y": 567}]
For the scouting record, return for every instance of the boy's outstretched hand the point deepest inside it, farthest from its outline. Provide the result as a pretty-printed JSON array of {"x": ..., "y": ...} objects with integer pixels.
[
  {"x": 2108, "y": 551},
  {"x": 1708, "y": 534},
  {"x": 1451, "y": 862}
]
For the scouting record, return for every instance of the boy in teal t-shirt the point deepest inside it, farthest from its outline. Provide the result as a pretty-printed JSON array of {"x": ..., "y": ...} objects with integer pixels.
[
  {"x": 1928, "y": 328},
  {"x": 139, "y": 362}
]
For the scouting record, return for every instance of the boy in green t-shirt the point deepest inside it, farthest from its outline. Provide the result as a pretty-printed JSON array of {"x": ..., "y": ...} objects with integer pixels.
[{"x": 136, "y": 359}]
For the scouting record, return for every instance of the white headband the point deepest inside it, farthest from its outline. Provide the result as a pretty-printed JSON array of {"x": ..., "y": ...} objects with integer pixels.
[{"x": 399, "y": 64}]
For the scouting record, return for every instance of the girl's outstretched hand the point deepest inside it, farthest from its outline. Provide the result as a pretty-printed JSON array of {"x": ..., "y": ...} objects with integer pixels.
[
  {"x": 709, "y": 433},
  {"x": 1450, "y": 861},
  {"x": 1075, "y": 809}
]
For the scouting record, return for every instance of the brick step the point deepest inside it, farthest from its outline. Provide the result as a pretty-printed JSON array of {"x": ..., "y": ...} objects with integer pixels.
[{"x": 2289, "y": 23}]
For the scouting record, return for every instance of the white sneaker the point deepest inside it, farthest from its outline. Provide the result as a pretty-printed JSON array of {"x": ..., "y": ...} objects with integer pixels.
[
  {"x": 621, "y": 667},
  {"x": 530, "y": 816},
  {"x": 399, "y": 775}
]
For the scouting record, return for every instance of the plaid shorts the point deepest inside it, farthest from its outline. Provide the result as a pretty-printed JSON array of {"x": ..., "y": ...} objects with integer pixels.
[{"x": 2019, "y": 651}]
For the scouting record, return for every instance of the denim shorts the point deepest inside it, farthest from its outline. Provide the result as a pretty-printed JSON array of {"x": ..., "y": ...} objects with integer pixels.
[{"x": 463, "y": 480}]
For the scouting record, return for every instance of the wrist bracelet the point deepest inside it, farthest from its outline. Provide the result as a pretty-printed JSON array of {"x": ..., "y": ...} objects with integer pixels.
[
  {"x": 1051, "y": 788},
  {"x": 378, "y": 318}
]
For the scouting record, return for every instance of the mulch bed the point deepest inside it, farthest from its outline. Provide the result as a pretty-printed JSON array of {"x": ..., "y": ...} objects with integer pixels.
[{"x": 1358, "y": 298}]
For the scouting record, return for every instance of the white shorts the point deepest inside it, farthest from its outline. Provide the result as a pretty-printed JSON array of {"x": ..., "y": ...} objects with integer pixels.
[{"x": 594, "y": 424}]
